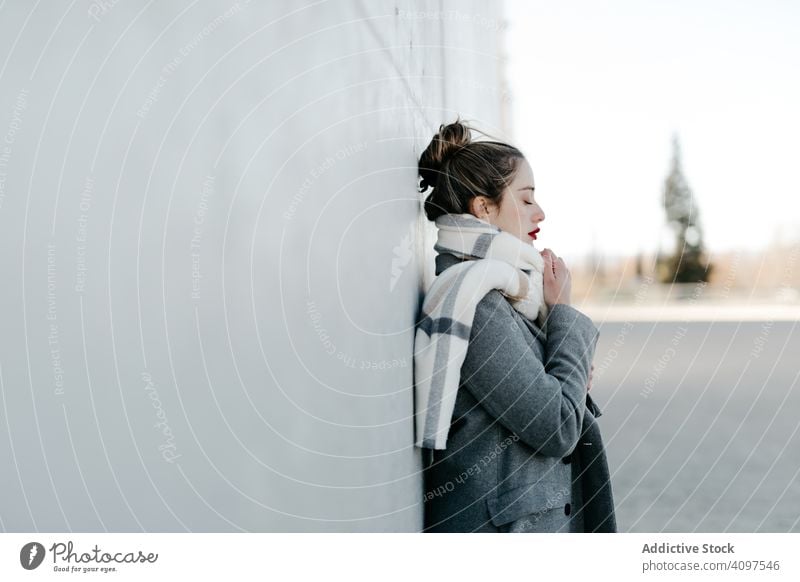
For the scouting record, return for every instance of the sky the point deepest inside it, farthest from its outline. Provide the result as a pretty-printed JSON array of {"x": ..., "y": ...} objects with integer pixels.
[{"x": 599, "y": 88}]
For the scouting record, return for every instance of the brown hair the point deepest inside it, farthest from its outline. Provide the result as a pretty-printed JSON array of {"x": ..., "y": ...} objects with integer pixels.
[{"x": 458, "y": 169}]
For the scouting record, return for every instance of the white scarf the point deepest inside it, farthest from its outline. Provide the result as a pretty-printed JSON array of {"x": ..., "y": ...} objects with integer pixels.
[{"x": 497, "y": 260}]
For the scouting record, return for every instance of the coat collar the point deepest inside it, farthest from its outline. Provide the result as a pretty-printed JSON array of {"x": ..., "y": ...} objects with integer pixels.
[{"x": 445, "y": 260}]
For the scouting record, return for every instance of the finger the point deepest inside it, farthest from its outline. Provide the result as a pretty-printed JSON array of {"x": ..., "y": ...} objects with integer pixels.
[{"x": 549, "y": 267}]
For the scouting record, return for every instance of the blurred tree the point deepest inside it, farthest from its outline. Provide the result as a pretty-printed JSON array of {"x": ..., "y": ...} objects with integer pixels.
[{"x": 687, "y": 264}]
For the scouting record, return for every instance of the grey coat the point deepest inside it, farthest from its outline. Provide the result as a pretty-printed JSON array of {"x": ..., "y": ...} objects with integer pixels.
[{"x": 524, "y": 451}]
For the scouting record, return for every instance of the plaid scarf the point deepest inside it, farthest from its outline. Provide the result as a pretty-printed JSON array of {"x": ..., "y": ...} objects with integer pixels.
[{"x": 496, "y": 260}]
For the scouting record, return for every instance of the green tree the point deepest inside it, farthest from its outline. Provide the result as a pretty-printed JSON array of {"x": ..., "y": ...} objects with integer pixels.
[{"x": 687, "y": 263}]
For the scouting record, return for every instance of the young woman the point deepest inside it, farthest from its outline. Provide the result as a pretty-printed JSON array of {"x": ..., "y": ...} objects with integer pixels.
[{"x": 502, "y": 361}]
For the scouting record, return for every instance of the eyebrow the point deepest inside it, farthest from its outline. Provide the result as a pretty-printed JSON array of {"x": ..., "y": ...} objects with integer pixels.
[{"x": 527, "y": 188}]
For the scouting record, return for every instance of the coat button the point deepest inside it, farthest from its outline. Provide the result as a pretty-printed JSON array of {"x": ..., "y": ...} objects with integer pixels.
[
  {"x": 567, "y": 460},
  {"x": 567, "y": 509}
]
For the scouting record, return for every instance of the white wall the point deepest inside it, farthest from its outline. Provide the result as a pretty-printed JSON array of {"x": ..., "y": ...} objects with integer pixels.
[{"x": 213, "y": 253}]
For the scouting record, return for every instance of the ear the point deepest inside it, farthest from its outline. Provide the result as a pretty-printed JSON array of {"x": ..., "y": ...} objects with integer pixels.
[{"x": 479, "y": 206}]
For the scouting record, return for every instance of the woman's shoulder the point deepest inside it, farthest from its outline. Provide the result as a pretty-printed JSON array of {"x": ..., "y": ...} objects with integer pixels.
[
  {"x": 495, "y": 310},
  {"x": 494, "y": 300}
]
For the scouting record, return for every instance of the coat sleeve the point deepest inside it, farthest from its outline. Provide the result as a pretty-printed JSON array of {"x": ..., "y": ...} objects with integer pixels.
[{"x": 542, "y": 402}]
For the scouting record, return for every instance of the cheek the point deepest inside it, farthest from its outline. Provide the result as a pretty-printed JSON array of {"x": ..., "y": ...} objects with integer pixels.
[
  {"x": 516, "y": 214},
  {"x": 508, "y": 212}
]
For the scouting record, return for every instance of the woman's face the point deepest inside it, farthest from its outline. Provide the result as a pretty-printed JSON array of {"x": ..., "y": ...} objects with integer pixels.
[{"x": 518, "y": 212}]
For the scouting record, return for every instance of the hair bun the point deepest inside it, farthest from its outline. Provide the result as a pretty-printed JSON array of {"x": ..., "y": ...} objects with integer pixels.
[{"x": 450, "y": 139}]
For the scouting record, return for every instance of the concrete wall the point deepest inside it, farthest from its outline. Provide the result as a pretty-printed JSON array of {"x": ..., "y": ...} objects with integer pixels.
[{"x": 213, "y": 253}]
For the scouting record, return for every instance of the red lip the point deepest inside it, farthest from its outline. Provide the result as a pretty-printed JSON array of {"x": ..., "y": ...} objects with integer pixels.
[{"x": 532, "y": 233}]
